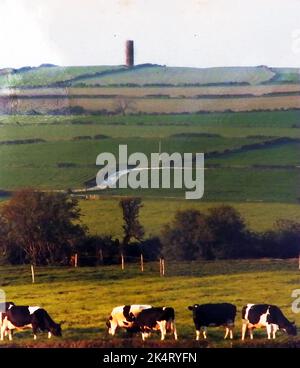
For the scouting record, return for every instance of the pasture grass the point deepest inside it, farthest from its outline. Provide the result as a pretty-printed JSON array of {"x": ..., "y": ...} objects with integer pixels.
[
  {"x": 84, "y": 297},
  {"x": 43, "y": 76},
  {"x": 177, "y": 76},
  {"x": 105, "y": 217}
]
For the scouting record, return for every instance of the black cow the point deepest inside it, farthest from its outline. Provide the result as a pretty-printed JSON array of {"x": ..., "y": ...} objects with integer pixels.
[
  {"x": 23, "y": 317},
  {"x": 156, "y": 319},
  {"x": 219, "y": 314},
  {"x": 268, "y": 316}
]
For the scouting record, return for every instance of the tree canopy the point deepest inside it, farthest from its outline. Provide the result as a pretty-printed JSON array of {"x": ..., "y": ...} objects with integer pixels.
[{"x": 43, "y": 225}]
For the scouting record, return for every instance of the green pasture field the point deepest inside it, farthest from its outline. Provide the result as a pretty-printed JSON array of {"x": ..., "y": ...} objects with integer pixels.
[
  {"x": 281, "y": 154},
  {"x": 235, "y": 179},
  {"x": 177, "y": 75},
  {"x": 38, "y": 165},
  {"x": 66, "y": 131},
  {"x": 228, "y": 185},
  {"x": 84, "y": 297},
  {"x": 157, "y": 105},
  {"x": 250, "y": 119},
  {"x": 47, "y": 75},
  {"x": 220, "y": 120},
  {"x": 146, "y": 74},
  {"x": 163, "y": 92},
  {"x": 104, "y": 216}
]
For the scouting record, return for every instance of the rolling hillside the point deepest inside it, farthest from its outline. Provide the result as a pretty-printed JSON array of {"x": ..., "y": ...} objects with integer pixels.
[{"x": 140, "y": 75}]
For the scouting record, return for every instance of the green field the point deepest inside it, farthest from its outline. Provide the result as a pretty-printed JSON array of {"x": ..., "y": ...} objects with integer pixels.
[
  {"x": 177, "y": 76},
  {"x": 104, "y": 217},
  {"x": 268, "y": 173},
  {"x": 42, "y": 76},
  {"x": 85, "y": 297},
  {"x": 147, "y": 88},
  {"x": 145, "y": 74}
]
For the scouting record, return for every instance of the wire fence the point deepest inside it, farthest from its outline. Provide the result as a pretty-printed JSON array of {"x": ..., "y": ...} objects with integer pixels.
[{"x": 123, "y": 260}]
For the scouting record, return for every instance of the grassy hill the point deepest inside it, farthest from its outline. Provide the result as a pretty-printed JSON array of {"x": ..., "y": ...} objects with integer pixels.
[
  {"x": 48, "y": 75},
  {"x": 180, "y": 76},
  {"x": 140, "y": 75}
]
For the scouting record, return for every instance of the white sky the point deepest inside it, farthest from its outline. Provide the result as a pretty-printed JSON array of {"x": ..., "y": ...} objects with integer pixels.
[{"x": 197, "y": 33}]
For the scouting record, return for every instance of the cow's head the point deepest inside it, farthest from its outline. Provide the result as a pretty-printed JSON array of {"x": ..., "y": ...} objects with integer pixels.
[
  {"x": 291, "y": 329},
  {"x": 56, "y": 329},
  {"x": 193, "y": 307}
]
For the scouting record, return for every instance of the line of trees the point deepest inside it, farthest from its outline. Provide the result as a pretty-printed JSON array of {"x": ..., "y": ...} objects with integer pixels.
[
  {"x": 222, "y": 234},
  {"x": 45, "y": 229}
]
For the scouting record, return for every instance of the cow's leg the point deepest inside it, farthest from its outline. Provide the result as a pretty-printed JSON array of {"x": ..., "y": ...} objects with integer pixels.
[
  {"x": 231, "y": 332},
  {"x": 49, "y": 335},
  {"x": 204, "y": 332},
  {"x": 35, "y": 329},
  {"x": 244, "y": 330},
  {"x": 174, "y": 330},
  {"x": 269, "y": 330},
  {"x": 113, "y": 327},
  {"x": 198, "y": 334},
  {"x": 251, "y": 333},
  {"x": 275, "y": 328},
  {"x": 2, "y": 333},
  {"x": 163, "y": 329},
  {"x": 144, "y": 335},
  {"x": 3, "y": 328},
  {"x": 226, "y": 332},
  {"x": 10, "y": 334}
]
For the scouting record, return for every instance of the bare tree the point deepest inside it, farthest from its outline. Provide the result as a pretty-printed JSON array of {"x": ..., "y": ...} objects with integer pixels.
[{"x": 123, "y": 105}]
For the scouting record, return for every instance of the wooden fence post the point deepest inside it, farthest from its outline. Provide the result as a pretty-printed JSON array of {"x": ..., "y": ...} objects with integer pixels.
[
  {"x": 142, "y": 263},
  {"x": 32, "y": 274},
  {"x": 122, "y": 262},
  {"x": 163, "y": 266},
  {"x": 101, "y": 256}
]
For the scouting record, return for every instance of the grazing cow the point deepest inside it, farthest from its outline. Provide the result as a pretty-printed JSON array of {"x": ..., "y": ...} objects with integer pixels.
[
  {"x": 24, "y": 317},
  {"x": 268, "y": 316},
  {"x": 219, "y": 314},
  {"x": 124, "y": 316},
  {"x": 156, "y": 319}
]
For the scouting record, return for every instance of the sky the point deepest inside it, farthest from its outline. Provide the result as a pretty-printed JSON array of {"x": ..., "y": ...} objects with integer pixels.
[{"x": 191, "y": 33}]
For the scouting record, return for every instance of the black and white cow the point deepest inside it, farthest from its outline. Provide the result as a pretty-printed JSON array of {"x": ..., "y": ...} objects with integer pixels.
[
  {"x": 24, "y": 317},
  {"x": 156, "y": 319},
  {"x": 268, "y": 316},
  {"x": 218, "y": 314},
  {"x": 123, "y": 316}
]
